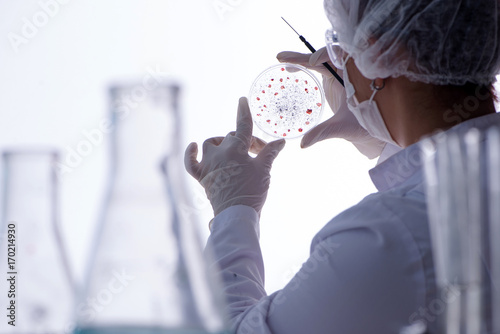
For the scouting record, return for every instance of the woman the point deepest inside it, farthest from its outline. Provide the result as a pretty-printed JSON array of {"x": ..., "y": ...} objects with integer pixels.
[{"x": 410, "y": 68}]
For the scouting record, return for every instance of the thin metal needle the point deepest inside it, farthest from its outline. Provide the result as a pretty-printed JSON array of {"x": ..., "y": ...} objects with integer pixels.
[
  {"x": 290, "y": 25},
  {"x": 312, "y": 49}
]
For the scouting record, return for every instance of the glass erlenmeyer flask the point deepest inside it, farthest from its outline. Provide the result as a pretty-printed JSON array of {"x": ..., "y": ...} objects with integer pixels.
[
  {"x": 38, "y": 292},
  {"x": 146, "y": 265}
]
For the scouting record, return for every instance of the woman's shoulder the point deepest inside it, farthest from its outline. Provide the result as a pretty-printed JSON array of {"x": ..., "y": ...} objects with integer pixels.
[
  {"x": 392, "y": 213},
  {"x": 392, "y": 232}
]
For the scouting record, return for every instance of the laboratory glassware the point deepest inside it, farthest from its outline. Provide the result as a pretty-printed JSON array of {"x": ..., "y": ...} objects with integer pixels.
[
  {"x": 147, "y": 273},
  {"x": 37, "y": 289},
  {"x": 462, "y": 182},
  {"x": 493, "y": 151}
]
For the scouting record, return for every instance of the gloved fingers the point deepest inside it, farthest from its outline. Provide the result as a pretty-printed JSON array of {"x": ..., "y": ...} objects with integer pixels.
[
  {"x": 270, "y": 152},
  {"x": 339, "y": 126},
  {"x": 244, "y": 124},
  {"x": 302, "y": 59},
  {"x": 215, "y": 141},
  {"x": 327, "y": 129},
  {"x": 319, "y": 57},
  {"x": 294, "y": 58},
  {"x": 211, "y": 142},
  {"x": 191, "y": 163},
  {"x": 342, "y": 124},
  {"x": 256, "y": 144},
  {"x": 371, "y": 149},
  {"x": 334, "y": 92}
]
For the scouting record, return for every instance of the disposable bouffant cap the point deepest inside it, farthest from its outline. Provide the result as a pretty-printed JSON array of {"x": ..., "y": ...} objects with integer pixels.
[{"x": 442, "y": 42}]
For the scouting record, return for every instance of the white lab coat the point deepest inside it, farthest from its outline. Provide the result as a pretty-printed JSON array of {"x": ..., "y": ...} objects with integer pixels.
[{"x": 370, "y": 268}]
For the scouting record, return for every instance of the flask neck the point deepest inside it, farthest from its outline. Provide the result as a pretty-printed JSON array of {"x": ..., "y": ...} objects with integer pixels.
[{"x": 145, "y": 133}]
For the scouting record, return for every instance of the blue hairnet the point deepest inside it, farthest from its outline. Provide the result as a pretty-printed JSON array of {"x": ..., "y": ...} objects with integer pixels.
[{"x": 442, "y": 42}]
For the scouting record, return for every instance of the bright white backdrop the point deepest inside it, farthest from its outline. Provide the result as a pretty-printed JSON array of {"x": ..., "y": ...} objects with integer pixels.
[{"x": 54, "y": 81}]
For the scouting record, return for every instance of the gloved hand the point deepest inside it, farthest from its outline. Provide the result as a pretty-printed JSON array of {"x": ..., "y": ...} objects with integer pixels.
[
  {"x": 342, "y": 124},
  {"x": 228, "y": 174}
]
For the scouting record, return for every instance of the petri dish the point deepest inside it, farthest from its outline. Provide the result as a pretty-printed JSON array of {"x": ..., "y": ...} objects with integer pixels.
[{"x": 286, "y": 101}]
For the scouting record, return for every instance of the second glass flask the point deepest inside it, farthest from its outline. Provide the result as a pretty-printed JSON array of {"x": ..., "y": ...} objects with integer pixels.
[{"x": 147, "y": 274}]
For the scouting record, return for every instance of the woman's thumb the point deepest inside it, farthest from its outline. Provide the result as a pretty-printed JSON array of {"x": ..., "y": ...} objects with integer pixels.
[
  {"x": 271, "y": 151},
  {"x": 327, "y": 129}
]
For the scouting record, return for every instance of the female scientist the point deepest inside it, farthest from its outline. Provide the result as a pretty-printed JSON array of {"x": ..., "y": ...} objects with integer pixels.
[{"x": 411, "y": 67}]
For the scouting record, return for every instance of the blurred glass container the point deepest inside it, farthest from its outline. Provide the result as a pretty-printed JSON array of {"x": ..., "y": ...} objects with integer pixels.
[
  {"x": 494, "y": 220},
  {"x": 38, "y": 291},
  {"x": 147, "y": 273},
  {"x": 463, "y": 181}
]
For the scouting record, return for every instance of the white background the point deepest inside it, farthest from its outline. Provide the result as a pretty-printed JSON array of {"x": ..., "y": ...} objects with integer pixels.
[{"x": 54, "y": 86}]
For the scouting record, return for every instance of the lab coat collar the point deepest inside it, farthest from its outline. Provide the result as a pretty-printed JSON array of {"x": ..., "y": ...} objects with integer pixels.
[{"x": 399, "y": 168}]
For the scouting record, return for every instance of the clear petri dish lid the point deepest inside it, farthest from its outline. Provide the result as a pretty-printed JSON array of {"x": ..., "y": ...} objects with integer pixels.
[{"x": 286, "y": 101}]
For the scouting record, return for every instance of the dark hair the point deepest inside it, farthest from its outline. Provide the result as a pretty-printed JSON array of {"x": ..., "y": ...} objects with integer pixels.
[{"x": 449, "y": 95}]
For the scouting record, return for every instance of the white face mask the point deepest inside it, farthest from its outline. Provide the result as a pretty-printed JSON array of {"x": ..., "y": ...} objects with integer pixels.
[{"x": 367, "y": 114}]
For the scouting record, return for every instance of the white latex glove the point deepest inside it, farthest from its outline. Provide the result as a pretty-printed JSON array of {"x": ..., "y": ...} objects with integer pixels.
[
  {"x": 342, "y": 124},
  {"x": 228, "y": 174}
]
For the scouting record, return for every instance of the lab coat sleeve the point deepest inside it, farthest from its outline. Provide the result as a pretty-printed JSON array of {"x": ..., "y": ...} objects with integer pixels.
[
  {"x": 350, "y": 284},
  {"x": 235, "y": 244}
]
